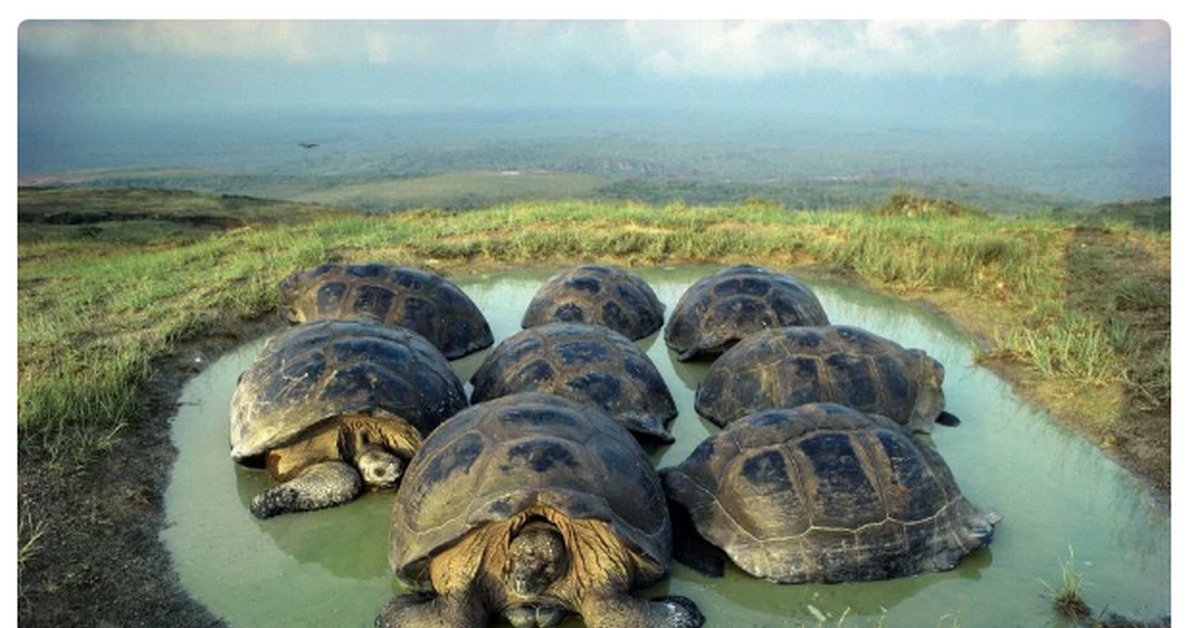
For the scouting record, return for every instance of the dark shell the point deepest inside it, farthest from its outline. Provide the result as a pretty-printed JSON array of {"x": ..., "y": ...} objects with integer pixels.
[
  {"x": 719, "y": 310},
  {"x": 495, "y": 459},
  {"x": 585, "y": 363},
  {"x": 823, "y": 493},
  {"x": 327, "y": 369},
  {"x": 600, "y": 295},
  {"x": 395, "y": 295},
  {"x": 791, "y": 366}
]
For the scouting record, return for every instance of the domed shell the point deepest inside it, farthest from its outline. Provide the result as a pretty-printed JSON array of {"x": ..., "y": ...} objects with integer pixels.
[
  {"x": 600, "y": 295},
  {"x": 585, "y": 363},
  {"x": 824, "y": 493},
  {"x": 717, "y": 311},
  {"x": 495, "y": 459},
  {"x": 791, "y": 366},
  {"x": 328, "y": 369},
  {"x": 395, "y": 295}
]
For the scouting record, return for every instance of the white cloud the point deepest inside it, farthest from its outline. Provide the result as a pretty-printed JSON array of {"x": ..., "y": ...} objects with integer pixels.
[{"x": 1129, "y": 51}]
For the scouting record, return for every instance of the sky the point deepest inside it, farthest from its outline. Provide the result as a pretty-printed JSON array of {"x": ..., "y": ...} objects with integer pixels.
[
  {"x": 1063, "y": 69},
  {"x": 1133, "y": 52}
]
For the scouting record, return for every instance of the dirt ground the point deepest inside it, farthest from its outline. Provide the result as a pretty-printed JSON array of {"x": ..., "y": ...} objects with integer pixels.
[{"x": 100, "y": 561}]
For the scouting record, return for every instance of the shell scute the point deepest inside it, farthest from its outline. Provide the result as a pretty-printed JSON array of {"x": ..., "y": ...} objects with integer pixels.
[
  {"x": 584, "y": 284},
  {"x": 582, "y": 351},
  {"x": 538, "y": 456},
  {"x": 330, "y": 296},
  {"x": 767, "y": 472},
  {"x": 458, "y": 457}
]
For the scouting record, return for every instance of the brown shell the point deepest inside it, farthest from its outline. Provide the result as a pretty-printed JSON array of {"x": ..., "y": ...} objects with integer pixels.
[
  {"x": 791, "y": 366},
  {"x": 585, "y": 363},
  {"x": 824, "y": 493},
  {"x": 717, "y": 311},
  {"x": 395, "y": 295},
  {"x": 600, "y": 295},
  {"x": 495, "y": 459}
]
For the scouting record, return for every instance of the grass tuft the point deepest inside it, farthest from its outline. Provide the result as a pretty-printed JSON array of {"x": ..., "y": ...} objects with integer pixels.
[
  {"x": 1068, "y": 599},
  {"x": 29, "y": 536}
]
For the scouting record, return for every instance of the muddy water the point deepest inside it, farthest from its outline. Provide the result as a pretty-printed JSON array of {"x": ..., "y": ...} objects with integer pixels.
[{"x": 1057, "y": 493}]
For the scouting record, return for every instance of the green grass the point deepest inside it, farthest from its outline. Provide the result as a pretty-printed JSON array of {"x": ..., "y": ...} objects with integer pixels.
[
  {"x": 469, "y": 189},
  {"x": 29, "y": 535},
  {"x": 1068, "y": 598},
  {"x": 92, "y": 316}
]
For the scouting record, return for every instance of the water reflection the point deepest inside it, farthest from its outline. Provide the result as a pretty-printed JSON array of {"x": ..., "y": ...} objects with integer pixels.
[
  {"x": 346, "y": 545},
  {"x": 1056, "y": 492}
]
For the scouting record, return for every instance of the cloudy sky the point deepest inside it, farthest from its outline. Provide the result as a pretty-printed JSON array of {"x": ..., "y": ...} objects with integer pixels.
[
  {"x": 1136, "y": 52},
  {"x": 564, "y": 62}
]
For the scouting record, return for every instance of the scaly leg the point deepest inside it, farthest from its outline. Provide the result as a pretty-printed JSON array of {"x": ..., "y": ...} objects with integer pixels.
[
  {"x": 423, "y": 611},
  {"x": 625, "y": 611},
  {"x": 319, "y": 486}
]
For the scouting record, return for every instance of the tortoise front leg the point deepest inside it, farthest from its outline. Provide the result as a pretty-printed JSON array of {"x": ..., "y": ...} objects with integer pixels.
[
  {"x": 626, "y": 611},
  {"x": 423, "y": 611},
  {"x": 319, "y": 486}
]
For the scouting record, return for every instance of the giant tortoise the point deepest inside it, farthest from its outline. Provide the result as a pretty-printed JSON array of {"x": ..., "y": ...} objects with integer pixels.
[
  {"x": 791, "y": 366},
  {"x": 531, "y": 507},
  {"x": 396, "y": 295},
  {"x": 718, "y": 310},
  {"x": 598, "y": 294},
  {"x": 824, "y": 493},
  {"x": 586, "y": 363},
  {"x": 330, "y": 405}
]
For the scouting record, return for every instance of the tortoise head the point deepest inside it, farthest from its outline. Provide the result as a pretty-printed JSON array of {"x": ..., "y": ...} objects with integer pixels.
[
  {"x": 931, "y": 401},
  {"x": 537, "y": 557},
  {"x": 379, "y": 467},
  {"x": 289, "y": 293}
]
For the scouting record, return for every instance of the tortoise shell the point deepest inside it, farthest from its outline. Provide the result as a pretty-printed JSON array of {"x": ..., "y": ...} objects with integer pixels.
[
  {"x": 600, "y": 295},
  {"x": 824, "y": 493},
  {"x": 791, "y": 366},
  {"x": 717, "y": 311},
  {"x": 585, "y": 363},
  {"x": 325, "y": 370},
  {"x": 496, "y": 459},
  {"x": 395, "y": 295}
]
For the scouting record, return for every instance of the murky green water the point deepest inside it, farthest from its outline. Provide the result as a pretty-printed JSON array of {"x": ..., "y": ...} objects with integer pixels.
[{"x": 1056, "y": 492}]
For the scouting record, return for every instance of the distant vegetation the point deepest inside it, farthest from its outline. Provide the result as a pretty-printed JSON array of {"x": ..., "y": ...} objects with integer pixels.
[
  {"x": 602, "y": 181},
  {"x": 110, "y": 280},
  {"x": 457, "y": 190},
  {"x": 1154, "y": 215},
  {"x": 831, "y": 194}
]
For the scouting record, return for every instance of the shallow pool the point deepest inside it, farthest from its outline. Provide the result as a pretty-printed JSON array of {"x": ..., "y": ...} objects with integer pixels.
[{"x": 1057, "y": 493}]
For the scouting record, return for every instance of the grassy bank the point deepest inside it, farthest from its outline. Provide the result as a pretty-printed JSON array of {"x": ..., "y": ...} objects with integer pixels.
[{"x": 1077, "y": 314}]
